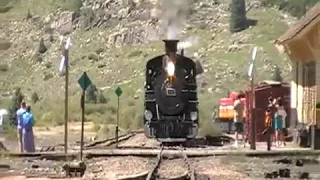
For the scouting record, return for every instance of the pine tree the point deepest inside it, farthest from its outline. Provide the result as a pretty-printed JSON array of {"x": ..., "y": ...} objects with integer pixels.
[
  {"x": 276, "y": 75},
  {"x": 238, "y": 19}
]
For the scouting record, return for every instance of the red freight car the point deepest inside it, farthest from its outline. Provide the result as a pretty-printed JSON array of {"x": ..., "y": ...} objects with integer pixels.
[{"x": 262, "y": 92}]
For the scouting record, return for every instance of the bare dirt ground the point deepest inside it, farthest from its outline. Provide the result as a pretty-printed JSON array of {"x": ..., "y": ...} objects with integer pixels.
[
  {"x": 218, "y": 168},
  {"x": 215, "y": 168},
  {"x": 114, "y": 167},
  {"x": 235, "y": 168},
  {"x": 139, "y": 140},
  {"x": 51, "y": 136},
  {"x": 25, "y": 178},
  {"x": 172, "y": 168}
]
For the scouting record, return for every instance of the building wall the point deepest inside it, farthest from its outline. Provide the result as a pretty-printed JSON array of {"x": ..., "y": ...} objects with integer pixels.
[
  {"x": 293, "y": 94},
  {"x": 318, "y": 81},
  {"x": 302, "y": 54},
  {"x": 297, "y": 94},
  {"x": 300, "y": 92},
  {"x": 305, "y": 85}
]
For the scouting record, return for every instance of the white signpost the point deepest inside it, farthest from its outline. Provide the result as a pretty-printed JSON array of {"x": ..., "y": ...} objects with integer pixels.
[
  {"x": 251, "y": 66},
  {"x": 63, "y": 60}
]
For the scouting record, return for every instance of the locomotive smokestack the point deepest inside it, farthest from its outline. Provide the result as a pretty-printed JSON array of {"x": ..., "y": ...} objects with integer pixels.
[{"x": 171, "y": 46}]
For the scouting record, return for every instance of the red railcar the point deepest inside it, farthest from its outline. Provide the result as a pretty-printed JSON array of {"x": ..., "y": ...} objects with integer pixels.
[{"x": 262, "y": 92}]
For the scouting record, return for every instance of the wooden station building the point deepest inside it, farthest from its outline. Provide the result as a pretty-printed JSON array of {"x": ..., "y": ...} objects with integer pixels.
[{"x": 301, "y": 43}]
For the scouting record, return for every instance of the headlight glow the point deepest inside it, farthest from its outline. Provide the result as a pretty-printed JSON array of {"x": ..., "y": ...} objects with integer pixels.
[
  {"x": 193, "y": 115},
  {"x": 148, "y": 115},
  {"x": 170, "y": 68}
]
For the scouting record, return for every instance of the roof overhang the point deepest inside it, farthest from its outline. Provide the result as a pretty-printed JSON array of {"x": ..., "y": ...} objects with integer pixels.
[{"x": 311, "y": 18}]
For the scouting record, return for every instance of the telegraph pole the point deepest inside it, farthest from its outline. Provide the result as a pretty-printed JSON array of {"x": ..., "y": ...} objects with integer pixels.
[
  {"x": 252, "y": 99},
  {"x": 253, "y": 121},
  {"x": 66, "y": 55},
  {"x": 65, "y": 64}
]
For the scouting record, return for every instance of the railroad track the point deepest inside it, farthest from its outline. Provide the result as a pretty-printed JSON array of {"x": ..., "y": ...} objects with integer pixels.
[
  {"x": 191, "y": 172},
  {"x": 110, "y": 142},
  {"x": 182, "y": 175}
]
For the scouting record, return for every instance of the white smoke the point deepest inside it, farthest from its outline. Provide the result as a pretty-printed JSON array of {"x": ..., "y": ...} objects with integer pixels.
[
  {"x": 187, "y": 43},
  {"x": 174, "y": 15},
  {"x": 172, "y": 31}
]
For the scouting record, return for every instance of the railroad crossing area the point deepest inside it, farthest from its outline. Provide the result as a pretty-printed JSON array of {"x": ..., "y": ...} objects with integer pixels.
[{"x": 138, "y": 157}]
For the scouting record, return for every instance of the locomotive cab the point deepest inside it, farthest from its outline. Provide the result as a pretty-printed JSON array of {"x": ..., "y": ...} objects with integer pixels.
[{"x": 171, "y": 103}]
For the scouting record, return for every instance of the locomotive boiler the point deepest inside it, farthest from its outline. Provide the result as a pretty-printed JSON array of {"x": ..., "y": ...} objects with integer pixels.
[{"x": 171, "y": 102}]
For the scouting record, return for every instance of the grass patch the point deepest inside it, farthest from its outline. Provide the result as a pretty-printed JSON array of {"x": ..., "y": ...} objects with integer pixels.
[{"x": 11, "y": 133}]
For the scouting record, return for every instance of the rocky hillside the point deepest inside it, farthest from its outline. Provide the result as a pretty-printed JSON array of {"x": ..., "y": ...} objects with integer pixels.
[{"x": 113, "y": 39}]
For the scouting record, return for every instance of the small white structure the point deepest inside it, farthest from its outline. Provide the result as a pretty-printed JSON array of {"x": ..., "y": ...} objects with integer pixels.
[{"x": 3, "y": 113}]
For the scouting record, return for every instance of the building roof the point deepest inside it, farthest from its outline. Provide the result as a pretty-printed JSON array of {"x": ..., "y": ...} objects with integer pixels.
[{"x": 311, "y": 15}]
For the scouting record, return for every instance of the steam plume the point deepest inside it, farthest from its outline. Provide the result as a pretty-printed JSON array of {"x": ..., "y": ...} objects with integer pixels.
[
  {"x": 191, "y": 41},
  {"x": 174, "y": 15}
]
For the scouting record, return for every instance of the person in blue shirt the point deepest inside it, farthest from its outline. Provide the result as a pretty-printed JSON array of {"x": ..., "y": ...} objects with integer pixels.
[
  {"x": 19, "y": 114},
  {"x": 28, "y": 136}
]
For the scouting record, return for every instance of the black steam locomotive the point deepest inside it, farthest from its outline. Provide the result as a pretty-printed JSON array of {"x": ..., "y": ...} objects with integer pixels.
[{"x": 171, "y": 102}]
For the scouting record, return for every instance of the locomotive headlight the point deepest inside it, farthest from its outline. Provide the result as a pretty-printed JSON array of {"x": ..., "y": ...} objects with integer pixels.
[
  {"x": 193, "y": 115},
  {"x": 170, "y": 68},
  {"x": 148, "y": 115}
]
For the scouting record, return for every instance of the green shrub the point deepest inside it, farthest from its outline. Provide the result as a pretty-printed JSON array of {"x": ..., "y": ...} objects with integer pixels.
[
  {"x": 35, "y": 98},
  {"x": 4, "y": 67},
  {"x": 101, "y": 98},
  {"x": 70, "y": 5},
  {"x": 95, "y": 108},
  {"x": 51, "y": 118},
  {"x": 296, "y": 8}
]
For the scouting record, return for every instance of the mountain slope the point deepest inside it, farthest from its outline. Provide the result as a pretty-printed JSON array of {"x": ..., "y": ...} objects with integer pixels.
[{"x": 116, "y": 52}]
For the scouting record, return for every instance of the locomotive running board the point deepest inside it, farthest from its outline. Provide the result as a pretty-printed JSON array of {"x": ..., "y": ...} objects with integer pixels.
[{"x": 171, "y": 139}]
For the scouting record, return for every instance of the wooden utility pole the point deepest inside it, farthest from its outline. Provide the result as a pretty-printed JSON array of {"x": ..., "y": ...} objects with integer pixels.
[
  {"x": 82, "y": 122},
  {"x": 252, "y": 99},
  {"x": 252, "y": 113},
  {"x": 66, "y": 55},
  {"x": 65, "y": 61}
]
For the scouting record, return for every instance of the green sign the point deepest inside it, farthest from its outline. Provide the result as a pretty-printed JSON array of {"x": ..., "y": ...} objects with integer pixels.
[
  {"x": 84, "y": 81},
  {"x": 118, "y": 91}
]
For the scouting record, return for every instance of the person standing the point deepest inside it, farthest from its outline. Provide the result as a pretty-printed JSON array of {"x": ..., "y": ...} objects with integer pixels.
[
  {"x": 19, "y": 114},
  {"x": 278, "y": 124},
  {"x": 28, "y": 136},
  {"x": 273, "y": 109},
  {"x": 238, "y": 118},
  {"x": 268, "y": 128},
  {"x": 283, "y": 114}
]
